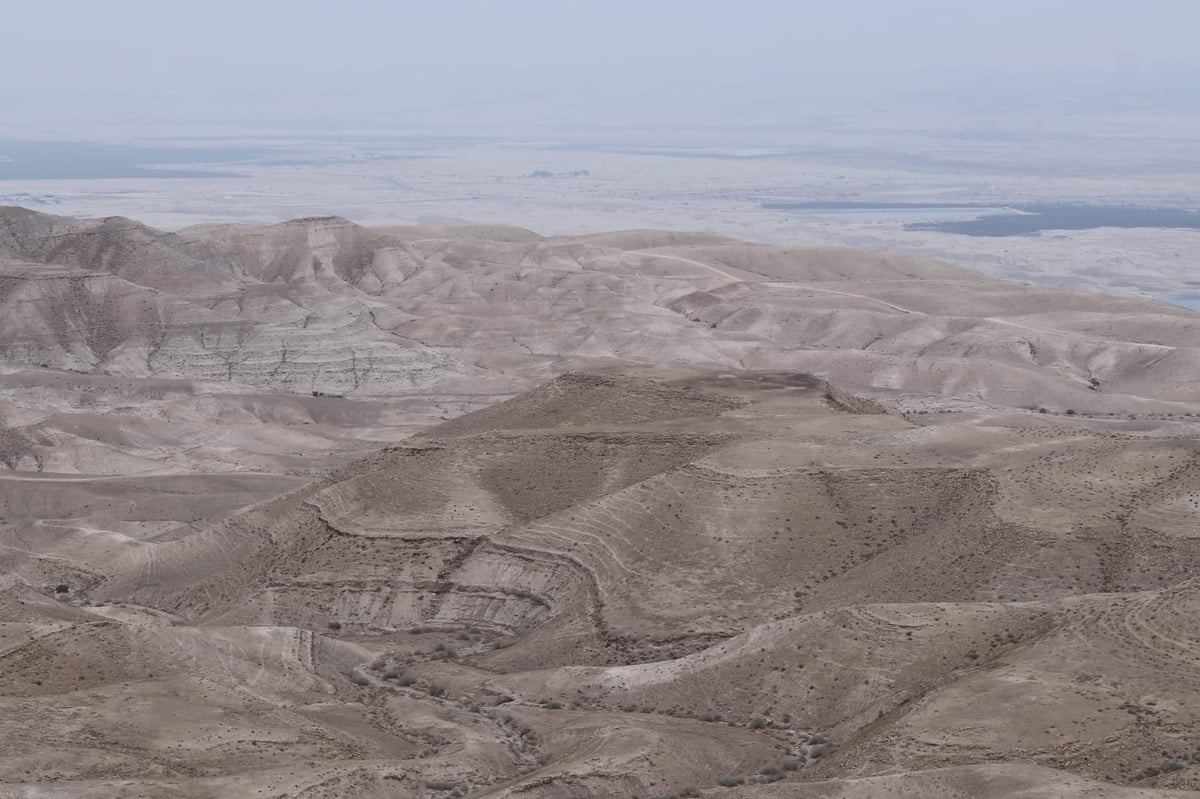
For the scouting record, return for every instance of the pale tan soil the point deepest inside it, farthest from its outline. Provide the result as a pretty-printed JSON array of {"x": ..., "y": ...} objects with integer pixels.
[{"x": 639, "y": 514}]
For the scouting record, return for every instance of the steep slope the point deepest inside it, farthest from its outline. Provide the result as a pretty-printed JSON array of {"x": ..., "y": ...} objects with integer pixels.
[
  {"x": 122, "y": 247},
  {"x": 325, "y": 305},
  {"x": 728, "y": 560},
  {"x": 312, "y": 509}
]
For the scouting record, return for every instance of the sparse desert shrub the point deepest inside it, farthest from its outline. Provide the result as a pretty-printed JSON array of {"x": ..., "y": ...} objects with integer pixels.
[
  {"x": 731, "y": 781},
  {"x": 435, "y": 689},
  {"x": 334, "y": 625},
  {"x": 62, "y": 588},
  {"x": 441, "y": 785},
  {"x": 400, "y": 678},
  {"x": 358, "y": 678},
  {"x": 758, "y": 723}
]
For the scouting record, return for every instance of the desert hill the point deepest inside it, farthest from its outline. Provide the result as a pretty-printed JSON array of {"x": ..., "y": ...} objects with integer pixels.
[
  {"x": 430, "y": 512},
  {"x": 323, "y": 304}
]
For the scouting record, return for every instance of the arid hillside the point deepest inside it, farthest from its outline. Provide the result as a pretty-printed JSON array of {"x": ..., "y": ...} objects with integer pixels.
[{"x": 317, "y": 510}]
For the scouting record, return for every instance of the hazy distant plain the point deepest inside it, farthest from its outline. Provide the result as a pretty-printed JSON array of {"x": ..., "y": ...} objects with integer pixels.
[{"x": 573, "y": 181}]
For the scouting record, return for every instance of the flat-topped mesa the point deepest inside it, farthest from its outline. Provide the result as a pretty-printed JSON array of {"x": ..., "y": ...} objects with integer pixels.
[{"x": 593, "y": 401}]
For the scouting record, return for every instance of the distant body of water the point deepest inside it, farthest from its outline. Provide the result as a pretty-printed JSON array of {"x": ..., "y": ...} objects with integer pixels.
[
  {"x": 902, "y": 212},
  {"x": 46, "y": 160},
  {"x": 1186, "y": 300},
  {"x": 972, "y": 219}
]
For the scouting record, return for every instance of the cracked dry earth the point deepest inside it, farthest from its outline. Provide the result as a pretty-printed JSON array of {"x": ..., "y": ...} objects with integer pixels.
[{"x": 315, "y": 510}]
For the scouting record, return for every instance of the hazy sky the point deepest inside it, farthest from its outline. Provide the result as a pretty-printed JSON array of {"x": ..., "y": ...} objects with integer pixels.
[{"x": 160, "y": 59}]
